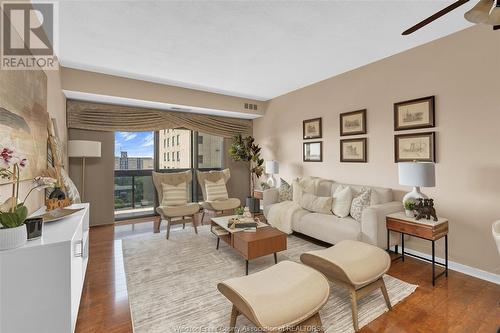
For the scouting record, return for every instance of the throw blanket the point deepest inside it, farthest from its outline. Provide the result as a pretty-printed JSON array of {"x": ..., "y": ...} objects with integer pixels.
[{"x": 280, "y": 215}]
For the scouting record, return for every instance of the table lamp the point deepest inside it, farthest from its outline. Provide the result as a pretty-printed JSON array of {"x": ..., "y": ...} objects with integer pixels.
[
  {"x": 84, "y": 149},
  {"x": 272, "y": 168},
  {"x": 416, "y": 174}
]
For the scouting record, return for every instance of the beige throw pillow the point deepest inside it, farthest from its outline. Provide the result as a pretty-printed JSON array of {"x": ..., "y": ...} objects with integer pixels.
[
  {"x": 342, "y": 199},
  {"x": 303, "y": 185},
  {"x": 216, "y": 190},
  {"x": 316, "y": 204},
  {"x": 174, "y": 195}
]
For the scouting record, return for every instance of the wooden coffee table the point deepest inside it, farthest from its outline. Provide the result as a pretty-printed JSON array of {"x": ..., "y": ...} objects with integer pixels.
[{"x": 250, "y": 245}]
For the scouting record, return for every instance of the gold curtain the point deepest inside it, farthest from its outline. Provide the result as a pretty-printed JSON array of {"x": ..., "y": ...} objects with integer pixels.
[{"x": 109, "y": 117}]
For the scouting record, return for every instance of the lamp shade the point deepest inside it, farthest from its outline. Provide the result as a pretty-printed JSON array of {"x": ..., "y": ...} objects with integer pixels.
[
  {"x": 417, "y": 174},
  {"x": 83, "y": 148},
  {"x": 272, "y": 167}
]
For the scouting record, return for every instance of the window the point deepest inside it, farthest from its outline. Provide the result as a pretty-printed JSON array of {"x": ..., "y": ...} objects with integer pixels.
[
  {"x": 183, "y": 146},
  {"x": 210, "y": 148},
  {"x": 164, "y": 157},
  {"x": 200, "y": 159},
  {"x": 178, "y": 158},
  {"x": 168, "y": 142},
  {"x": 178, "y": 142},
  {"x": 168, "y": 156},
  {"x": 134, "y": 150},
  {"x": 164, "y": 143}
]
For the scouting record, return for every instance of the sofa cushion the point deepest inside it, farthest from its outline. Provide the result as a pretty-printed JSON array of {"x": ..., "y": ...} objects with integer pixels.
[
  {"x": 359, "y": 203},
  {"x": 324, "y": 188},
  {"x": 328, "y": 228},
  {"x": 216, "y": 190},
  {"x": 285, "y": 191},
  {"x": 380, "y": 195},
  {"x": 304, "y": 185},
  {"x": 342, "y": 199},
  {"x": 316, "y": 204}
]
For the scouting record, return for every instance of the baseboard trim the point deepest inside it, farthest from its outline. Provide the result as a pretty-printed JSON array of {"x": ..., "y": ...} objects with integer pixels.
[{"x": 475, "y": 272}]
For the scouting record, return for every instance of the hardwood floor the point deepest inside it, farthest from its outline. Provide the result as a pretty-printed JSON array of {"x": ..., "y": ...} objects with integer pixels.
[{"x": 457, "y": 304}]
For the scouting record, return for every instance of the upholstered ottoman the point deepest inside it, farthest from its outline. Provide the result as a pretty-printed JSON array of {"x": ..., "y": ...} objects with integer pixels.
[
  {"x": 357, "y": 266},
  {"x": 284, "y": 296}
]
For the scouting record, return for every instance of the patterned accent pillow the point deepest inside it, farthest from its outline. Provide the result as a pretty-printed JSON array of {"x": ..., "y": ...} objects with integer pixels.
[
  {"x": 174, "y": 195},
  {"x": 71, "y": 190},
  {"x": 284, "y": 191},
  {"x": 359, "y": 203},
  {"x": 216, "y": 190}
]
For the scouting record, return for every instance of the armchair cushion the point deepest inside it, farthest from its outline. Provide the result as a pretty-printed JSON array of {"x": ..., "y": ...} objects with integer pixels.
[
  {"x": 216, "y": 190},
  {"x": 219, "y": 205},
  {"x": 171, "y": 178},
  {"x": 212, "y": 176},
  {"x": 178, "y": 211},
  {"x": 174, "y": 195}
]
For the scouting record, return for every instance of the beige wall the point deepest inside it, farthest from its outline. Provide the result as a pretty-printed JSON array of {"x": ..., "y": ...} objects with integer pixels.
[
  {"x": 99, "y": 175},
  {"x": 462, "y": 71},
  {"x": 103, "y": 84}
]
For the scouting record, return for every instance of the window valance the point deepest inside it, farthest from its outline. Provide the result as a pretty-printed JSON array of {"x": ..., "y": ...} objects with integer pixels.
[{"x": 109, "y": 117}]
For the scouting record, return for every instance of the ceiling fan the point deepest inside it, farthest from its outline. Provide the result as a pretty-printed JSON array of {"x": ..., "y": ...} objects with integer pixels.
[{"x": 484, "y": 12}]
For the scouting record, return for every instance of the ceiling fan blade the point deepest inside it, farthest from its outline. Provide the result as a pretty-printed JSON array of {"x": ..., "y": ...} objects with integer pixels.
[
  {"x": 496, "y": 27},
  {"x": 480, "y": 12},
  {"x": 435, "y": 16}
]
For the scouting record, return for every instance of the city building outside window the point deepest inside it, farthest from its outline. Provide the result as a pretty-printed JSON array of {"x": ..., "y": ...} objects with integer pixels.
[
  {"x": 200, "y": 159},
  {"x": 200, "y": 139},
  {"x": 178, "y": 158}
]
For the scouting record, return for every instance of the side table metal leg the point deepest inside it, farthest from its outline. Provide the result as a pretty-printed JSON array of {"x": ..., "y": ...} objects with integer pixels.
[
  {"x": 388, "y": 249},
  {"x": 446, "y": 254},
  {"x": 275, "y": 258},
  {"x": 396, "y": 248},
  {"x": 402, "y": 247},
  {"x": 246, "y": 267},
  {"x": 218, "y": 241},
  {"x": 433, "y": 261}
]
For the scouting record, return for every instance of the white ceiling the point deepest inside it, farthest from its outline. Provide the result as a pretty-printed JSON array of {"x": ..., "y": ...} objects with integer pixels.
[{"x": 253, "y": 49}]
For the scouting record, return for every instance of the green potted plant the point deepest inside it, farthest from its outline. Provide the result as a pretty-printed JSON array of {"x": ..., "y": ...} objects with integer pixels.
[
  {"x": 13, "y": 213},
  {"x": 239, "y": 211},
  {"x": 409, "y": 208},
  {"x": 245, "y": 149}
]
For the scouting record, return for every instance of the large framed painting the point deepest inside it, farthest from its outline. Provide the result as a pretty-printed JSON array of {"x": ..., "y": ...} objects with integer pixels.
[
  {"x": 313, "y": 152},
  {"x": 352, "y": 123},
  {"x": 353, "y": 150},
  {"x": 24, "y": 118},
  {"x": 311, "y": 129},
  {"x": 419, "y": 147},
  {"x": 413, "y": 114}
]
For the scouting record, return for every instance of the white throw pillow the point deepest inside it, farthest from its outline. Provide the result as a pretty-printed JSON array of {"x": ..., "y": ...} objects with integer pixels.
[
  {"x": 174, "y": 195},
  {"x": 342, "y": 199},
  {"x": 316, "y": 204},
  {"x": 359, "y": 203},
  {"x": 216, "y": 190}
]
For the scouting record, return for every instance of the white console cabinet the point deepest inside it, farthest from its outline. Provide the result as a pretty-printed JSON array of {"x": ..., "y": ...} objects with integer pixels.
[{"x": 41, "y": 283}]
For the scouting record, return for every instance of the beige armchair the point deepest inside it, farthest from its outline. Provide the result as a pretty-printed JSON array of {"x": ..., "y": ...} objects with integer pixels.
[
  {"x": 175, "y": 211},
  {"x": 215, "y": 206}
]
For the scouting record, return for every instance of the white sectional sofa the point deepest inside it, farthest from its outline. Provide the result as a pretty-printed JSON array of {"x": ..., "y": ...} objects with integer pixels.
[{"x": 332, "y": 229}]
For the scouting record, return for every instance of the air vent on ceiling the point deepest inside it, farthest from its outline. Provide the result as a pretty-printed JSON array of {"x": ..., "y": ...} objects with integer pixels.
[{"x": 250, "y": 106}]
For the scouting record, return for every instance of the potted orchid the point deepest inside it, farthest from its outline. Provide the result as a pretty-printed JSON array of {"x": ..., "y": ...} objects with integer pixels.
[{"x": 13, "y": 212}]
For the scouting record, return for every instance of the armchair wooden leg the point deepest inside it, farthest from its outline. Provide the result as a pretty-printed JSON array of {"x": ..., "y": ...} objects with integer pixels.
[
  {"x": 168, "y": 228},
  {"x": 194, "y": 224},
  {"x": 156, "y": 227},
  {"x": 312, "y": 324},
  {"x": 354, "y": 309},
  {"x": 384, "y": 292},
  {"x": 232, "y": 321}
]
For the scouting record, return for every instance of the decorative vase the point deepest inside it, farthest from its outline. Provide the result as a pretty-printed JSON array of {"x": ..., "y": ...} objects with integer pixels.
[
  {"x": 409, "y": 213},
  {"x": 253, "y": 204},
  {"x": 34, "y": 228},
  {"x": 11, "y": 238},
  {"x": 58, "y": 194}
]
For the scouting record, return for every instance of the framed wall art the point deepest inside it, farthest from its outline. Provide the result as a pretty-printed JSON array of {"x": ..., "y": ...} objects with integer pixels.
[
  {"x": 417, "y": 113},
  {"x": 353, "y": 123},
  {"x": 311, "y": 129},
  {"x": 419, "y": 147},
  {"x": 313, "y": 151},
  {"x": 353, "y": 150}
]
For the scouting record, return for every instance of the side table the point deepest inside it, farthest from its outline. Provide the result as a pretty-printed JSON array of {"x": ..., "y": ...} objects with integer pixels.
[{"x": 425, "y": 229}]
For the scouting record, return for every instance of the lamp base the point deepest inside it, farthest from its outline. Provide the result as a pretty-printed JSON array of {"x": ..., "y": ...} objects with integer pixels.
[
  {"x": 414, "y": 195},
  {"x": 271, "y": 181}
]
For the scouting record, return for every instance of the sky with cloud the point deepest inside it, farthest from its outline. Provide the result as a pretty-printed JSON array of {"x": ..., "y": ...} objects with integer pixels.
[{"x": 136, "y": 144}]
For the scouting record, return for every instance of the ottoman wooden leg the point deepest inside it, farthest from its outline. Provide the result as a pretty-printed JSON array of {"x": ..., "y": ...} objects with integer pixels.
[
  {"x": 384, "y": 292},
  {"x": 354, "y": 309},
  {"x": 234, "y": 316}
]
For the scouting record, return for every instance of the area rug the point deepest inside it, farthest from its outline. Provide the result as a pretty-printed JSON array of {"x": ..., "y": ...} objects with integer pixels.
[{"x": 172, "y": 285}]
